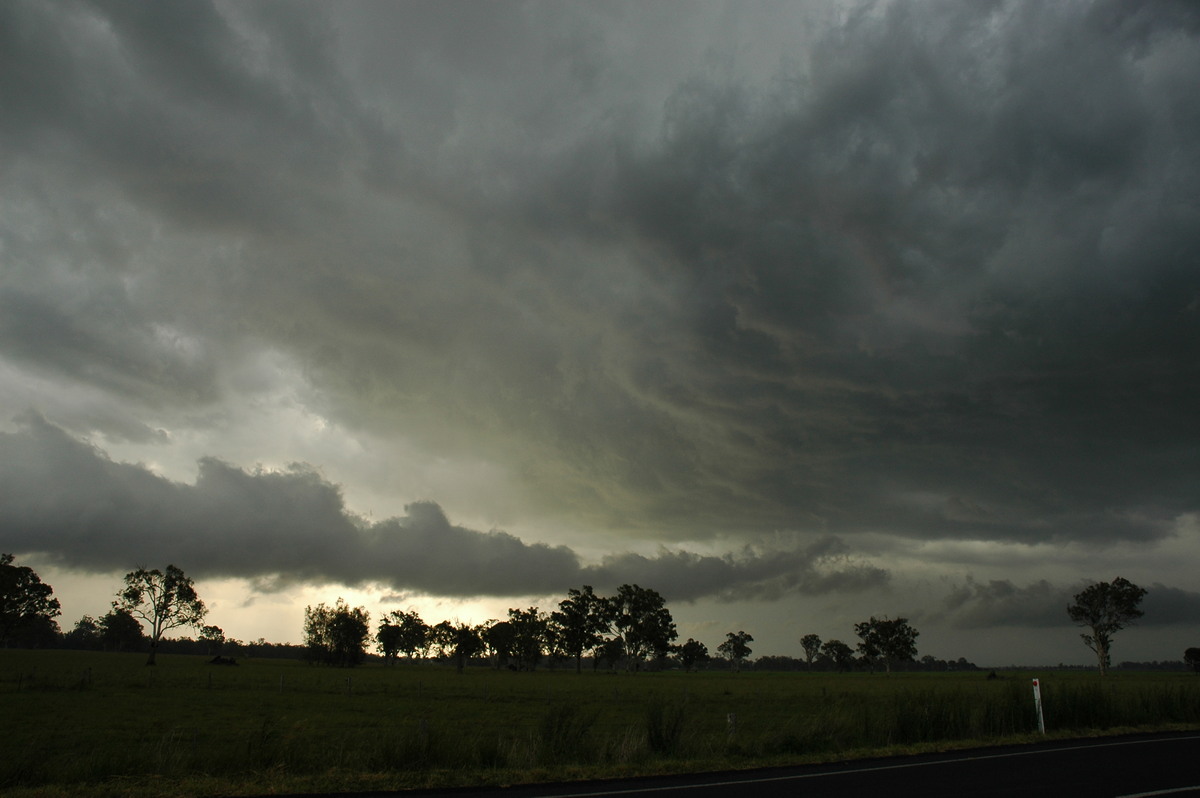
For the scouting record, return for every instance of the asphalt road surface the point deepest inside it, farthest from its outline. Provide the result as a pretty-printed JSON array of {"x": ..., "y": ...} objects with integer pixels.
[{"x": 1136, "y": 766}]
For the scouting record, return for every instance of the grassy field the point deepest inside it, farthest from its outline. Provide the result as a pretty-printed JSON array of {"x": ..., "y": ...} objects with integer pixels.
[{"x": 78, "y": 723}]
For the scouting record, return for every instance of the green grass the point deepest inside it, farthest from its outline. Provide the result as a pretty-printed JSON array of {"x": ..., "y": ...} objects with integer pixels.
[{"x": 104, "y": 724}]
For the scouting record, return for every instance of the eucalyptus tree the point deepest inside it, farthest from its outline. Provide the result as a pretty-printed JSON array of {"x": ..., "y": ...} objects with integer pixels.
[
  {"x": 163, "y": 599},
  {"x": 337, "y": 635},
  {"x": 736, "y": 648},
  {"x": 401, "y": 632},
  {"x": 580, "y": 623},
  {"x": 811, "y": 644},
  {"x": 26, "y": 603},
  {"x": 1105, "y": 608},
  {"x": 692, "y": 654},
  {"x": 838, "y": 654},
  {"x": 642, "y": 623},
  {"x": 889, "y": 640}
]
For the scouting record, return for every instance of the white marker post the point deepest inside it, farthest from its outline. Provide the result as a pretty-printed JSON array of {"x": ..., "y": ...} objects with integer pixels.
[{"x": 1037, "y": 703}]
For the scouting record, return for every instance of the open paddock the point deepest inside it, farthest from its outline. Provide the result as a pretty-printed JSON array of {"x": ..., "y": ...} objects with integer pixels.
[{"x": 105, "y": 724}]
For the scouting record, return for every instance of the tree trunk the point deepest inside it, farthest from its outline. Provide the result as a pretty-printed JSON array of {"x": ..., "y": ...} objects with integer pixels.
[{"x": 153, "y": 652}]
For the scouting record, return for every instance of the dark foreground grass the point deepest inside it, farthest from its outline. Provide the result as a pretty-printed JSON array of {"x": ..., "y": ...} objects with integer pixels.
[{"x": 77, "y": 723}]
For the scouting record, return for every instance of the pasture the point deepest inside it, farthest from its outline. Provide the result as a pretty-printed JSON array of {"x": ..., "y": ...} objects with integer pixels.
[{"x": 77, "y": 723}]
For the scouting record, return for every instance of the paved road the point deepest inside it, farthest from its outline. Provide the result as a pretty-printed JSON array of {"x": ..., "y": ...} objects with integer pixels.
[{"x": 1136, "y": 766}]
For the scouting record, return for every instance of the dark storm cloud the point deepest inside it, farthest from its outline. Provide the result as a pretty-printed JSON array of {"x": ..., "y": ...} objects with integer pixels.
[
  {"x": 944, "y": 282},
  {"x": 929, "y": 272},
  {"x": 819, "y": 568},
  {"x": 1000, "y": 602},
  {"x": 64, "y": 499}
]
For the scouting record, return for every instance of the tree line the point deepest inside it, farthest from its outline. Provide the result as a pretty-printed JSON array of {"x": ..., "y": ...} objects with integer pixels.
[{"x": 633, "y": 629}]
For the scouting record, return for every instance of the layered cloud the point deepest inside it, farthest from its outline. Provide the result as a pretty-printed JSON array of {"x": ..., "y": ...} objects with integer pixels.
[
  {"x": 1001, "y": 602},
  {"x": 644, "y": 274},
  {"x": 65, "y": 500}
]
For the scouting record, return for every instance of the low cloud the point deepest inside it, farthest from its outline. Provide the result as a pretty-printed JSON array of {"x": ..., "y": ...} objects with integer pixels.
[
  {"x": 1000, "y": 602},
  {"x": 66, "y": 500}
]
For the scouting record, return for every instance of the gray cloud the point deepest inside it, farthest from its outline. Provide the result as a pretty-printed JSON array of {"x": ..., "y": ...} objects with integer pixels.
[
  {"x": 1000, "y": 602},
  {"x": 66, "y": 500},
  {"x": 702, "y": 274}
]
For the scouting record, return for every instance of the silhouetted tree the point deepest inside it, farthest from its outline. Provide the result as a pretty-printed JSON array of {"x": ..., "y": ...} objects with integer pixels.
[
  {"x": 499, "y": 641},
  {"x": 888, "y": 640},
  {"x": 401, "y": 633},
  {"x": 85, "y": 635},
  {"x": 27, "y": 605},
  {"x": 465, "y": 641},
  {"x": 336, "y": 635},
  {"x": 611, "y": 651},
  {"x": 642, "y": 622},
  {"x": 736, "y": 648},
  {"x": 163, "y": 600},
  {"x": 1191, "y": 658},
  {"x": 692, "y": 653},
  {"x": 840, "y": 655},
  {"x": 811, "y": 644},
  {"x": 579, "y": 624},
  {"x": 213, "y": 638},
  {"x": 531, "y": 636},
  {"x": 120, "y": 631},
  {"x": 1106, "y": 608}
]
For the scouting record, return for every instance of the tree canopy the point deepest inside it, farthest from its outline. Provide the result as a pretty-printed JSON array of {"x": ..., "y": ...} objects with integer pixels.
[
  {"x": 811, "y": 644},
  {"x": 401, "y": 633},
  {"x": 736, "y": 648},
  {"x": 27, "y": 605},
  {"x": 164, "y": 600},
  {"x": 889, "y": 640},
  {"x": 642, "y": 622},
  {"x": 1105, "y": 608},
  {"x": 692, "y": 653},
  {"x": 336, "y": 635},
  {"x": 580, "y": 623},
  {"x": 840, "y": 655}
]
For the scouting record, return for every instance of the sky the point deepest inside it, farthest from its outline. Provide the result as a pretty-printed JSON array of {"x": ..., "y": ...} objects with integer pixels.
[{"x": 795, "y": 312}]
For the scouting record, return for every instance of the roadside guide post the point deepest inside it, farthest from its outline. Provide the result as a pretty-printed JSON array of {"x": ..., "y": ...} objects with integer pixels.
[{"x": 1037, "y": 703}]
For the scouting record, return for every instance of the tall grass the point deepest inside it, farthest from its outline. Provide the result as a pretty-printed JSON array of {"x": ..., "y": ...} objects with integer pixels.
[{"x": 83, "y": 721}]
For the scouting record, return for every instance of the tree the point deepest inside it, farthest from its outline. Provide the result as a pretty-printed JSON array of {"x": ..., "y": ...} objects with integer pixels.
[
  {"x": 401, "y": 633},
  {"x": 736, "y": 648},
  {"x": 840, "y": 655},
  {"x": 85, "y": 634},
  {"x": 213, "y": 638},
  {"x": 811, "y": 644},
  {"x": 27, "y": 605},
  {"x": 462, "y": 642},
  {"x": 580, "y": 623},
  {"x": 120, "y": 631},
  {"x": 889, "y": 640},
  {"x": 163, "y": 600},
  {"x": 336, "y": 635},
  {"x": 642, "y": 623},
  {"x": 692, "y": 653},
  {"x": 611, "y": 650},
  {"x": 1191, "y": 658},
  {"x": 1106, "y": 608},
  {"x": 499, "y": 638},
  {"x": 530, "y": 636}
]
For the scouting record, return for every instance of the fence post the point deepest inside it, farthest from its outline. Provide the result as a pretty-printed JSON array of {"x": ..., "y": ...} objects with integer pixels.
[
  {"x": 731, "y": 724},
  {"x": 1037, "y": 703}
]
